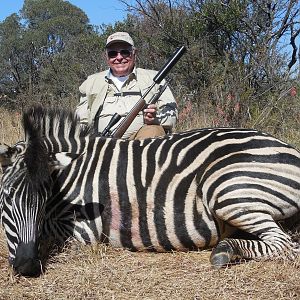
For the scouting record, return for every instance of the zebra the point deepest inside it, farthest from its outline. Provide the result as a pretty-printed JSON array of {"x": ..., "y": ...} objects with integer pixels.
[{"x": 186, "y": 191}]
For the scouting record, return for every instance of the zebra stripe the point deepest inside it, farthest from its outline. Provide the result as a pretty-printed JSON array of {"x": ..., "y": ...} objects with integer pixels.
[{"x": 189, "y": 190}]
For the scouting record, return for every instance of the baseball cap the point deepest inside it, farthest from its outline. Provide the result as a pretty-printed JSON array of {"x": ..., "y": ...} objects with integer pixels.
[{"x": 119, "y": 37}]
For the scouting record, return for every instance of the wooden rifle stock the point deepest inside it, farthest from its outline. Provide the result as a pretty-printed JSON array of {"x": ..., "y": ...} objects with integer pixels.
[{"x": 141, "y": 104}]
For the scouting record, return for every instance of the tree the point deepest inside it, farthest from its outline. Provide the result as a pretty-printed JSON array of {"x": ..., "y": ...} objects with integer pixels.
[
  {"x": 235, "y": 56},
  {"x": 11, "y": 56},
  {"x": 45, "y": 50}
]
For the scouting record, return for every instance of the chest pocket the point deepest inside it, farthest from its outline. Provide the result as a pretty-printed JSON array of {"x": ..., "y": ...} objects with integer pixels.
[{"x": 120, "y": 102}]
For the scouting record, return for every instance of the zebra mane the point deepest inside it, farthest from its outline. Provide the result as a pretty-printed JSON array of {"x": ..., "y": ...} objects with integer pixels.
[
  {"x": 48, "y": 130},
  {"x": 53, "y": 123}
]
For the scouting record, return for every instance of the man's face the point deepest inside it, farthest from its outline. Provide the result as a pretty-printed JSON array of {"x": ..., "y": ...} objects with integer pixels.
[{"x": 120, "y": 58}]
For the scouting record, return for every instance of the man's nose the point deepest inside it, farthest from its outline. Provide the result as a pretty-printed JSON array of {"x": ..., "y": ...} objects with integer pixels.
[{"x": 119, "y": 56}]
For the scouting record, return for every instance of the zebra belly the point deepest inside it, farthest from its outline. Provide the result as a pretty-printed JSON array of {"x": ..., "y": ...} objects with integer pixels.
[
  {"x": 133, "y": 239},
  {"x": 160, "y": 228}
]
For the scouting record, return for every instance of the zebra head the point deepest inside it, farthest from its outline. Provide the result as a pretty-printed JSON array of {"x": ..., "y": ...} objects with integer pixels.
[
  {"x": 27, "y": 181},
  {"x": 26, "y": 184}
]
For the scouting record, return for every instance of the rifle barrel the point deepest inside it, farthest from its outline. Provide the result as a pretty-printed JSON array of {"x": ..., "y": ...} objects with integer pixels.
[{"x": 169, "y": 65}]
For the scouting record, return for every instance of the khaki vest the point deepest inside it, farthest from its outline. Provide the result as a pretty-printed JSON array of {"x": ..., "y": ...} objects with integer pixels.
[{"x": 95, "y": 96}]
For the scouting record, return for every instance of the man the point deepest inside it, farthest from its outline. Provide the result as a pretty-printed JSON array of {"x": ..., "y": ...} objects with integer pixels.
[{"x": 118, "y": 89}]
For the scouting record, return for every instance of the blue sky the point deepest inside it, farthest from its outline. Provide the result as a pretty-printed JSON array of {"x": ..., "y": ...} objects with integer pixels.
[{"x": 98, "y": 11}]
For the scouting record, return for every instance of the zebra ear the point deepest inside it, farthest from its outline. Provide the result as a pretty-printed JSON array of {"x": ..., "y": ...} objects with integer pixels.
[
  {"x": 7, "y": 155},
  {"x": 61, "y": 160}
]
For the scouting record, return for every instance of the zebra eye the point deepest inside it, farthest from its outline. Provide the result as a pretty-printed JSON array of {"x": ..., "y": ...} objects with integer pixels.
[{"x": 8, "y": 199}]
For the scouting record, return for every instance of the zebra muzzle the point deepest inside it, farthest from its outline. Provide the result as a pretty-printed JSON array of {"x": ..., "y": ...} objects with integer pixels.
[{"x": 26, "y": 262}]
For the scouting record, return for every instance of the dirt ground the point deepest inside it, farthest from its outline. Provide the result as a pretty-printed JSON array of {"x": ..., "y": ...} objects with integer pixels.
[{"x": 100, "y": 272}]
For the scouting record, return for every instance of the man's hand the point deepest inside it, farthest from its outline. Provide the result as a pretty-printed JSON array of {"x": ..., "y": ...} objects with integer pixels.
[{"x": 150, "y": 114}]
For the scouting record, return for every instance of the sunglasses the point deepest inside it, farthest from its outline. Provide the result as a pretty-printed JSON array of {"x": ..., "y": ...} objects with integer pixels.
[{"x": 114, "y": 53}]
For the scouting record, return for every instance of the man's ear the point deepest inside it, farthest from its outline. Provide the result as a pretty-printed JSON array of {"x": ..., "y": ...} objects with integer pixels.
[{"x": 7, "y": 155}]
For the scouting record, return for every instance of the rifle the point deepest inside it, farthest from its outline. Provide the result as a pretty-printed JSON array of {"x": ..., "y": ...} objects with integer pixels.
[{"x": 141, "y": 104}]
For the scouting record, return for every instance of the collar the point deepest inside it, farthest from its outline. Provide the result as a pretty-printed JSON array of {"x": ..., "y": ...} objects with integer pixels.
[{"x": 132, "y": 75}]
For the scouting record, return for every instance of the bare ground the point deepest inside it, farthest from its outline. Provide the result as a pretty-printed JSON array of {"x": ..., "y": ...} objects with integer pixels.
[{"x": 100, "y": 272}]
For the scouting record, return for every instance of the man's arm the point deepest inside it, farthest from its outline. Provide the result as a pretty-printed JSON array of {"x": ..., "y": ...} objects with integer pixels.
[
  {"x": 82, "y": 109},
  {"x": 163, "y": 113}
]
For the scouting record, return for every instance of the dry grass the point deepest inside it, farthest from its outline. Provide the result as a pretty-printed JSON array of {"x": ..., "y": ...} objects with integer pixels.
[
  {"x": 274, "y": 119},
  {"x": 100, "y": 272},
  {"x": 10, "y": 127}
]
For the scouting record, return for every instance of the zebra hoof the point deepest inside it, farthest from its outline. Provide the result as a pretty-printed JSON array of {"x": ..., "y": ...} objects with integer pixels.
[{"x": 221, "y": 255}]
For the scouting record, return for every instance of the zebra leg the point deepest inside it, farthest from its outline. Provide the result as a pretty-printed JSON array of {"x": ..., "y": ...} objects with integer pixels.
[{"x": 272, "y": 242}]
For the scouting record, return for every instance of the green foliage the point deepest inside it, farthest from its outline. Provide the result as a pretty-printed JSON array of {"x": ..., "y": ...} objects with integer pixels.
[
  {"x": 233, "y": 62},
  {"x": 11, "y": 54},
  {"x": 46, "y": 52}
]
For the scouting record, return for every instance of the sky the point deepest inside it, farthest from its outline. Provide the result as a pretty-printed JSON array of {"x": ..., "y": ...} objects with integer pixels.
[{"x": 98, "y": 11}]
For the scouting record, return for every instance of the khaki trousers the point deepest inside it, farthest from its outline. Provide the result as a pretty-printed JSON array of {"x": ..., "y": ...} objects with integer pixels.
[{"x": 148, "y": 131}]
